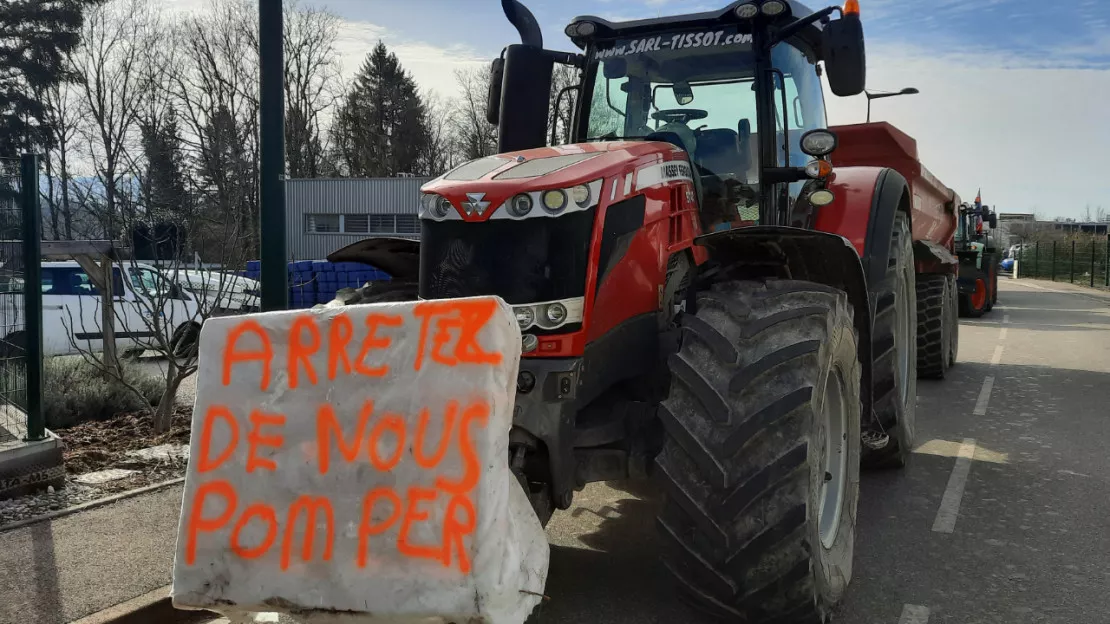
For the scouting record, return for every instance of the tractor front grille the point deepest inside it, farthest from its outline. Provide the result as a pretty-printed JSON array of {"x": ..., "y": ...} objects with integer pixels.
[{"x": 527, "y": 261}]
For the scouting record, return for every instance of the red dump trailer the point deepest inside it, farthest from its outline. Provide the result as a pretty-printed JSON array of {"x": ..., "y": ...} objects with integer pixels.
[{"x": 933, "y": 216}]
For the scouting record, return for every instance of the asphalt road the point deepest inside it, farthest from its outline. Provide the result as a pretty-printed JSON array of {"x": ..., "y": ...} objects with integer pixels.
[{"x": 1029, "y": 538}]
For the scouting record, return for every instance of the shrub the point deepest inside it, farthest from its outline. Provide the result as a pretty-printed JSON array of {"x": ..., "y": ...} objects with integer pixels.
[{"x": 75, "y": 392}]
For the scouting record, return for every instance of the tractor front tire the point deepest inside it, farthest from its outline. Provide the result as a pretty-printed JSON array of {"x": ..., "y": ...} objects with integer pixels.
[
  {"x": 761, "y": 460},
  {"x": 894, "y": 348},
  {"x": 974, "y": 305},
  {"x": 934, "y": 328}
]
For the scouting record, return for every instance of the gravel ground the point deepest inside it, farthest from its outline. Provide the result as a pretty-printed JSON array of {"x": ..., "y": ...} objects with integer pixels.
[{"x": 102, "y": 445}]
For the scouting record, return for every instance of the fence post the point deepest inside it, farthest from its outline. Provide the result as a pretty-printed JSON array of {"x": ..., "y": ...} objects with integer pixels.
[
  {"x": 1037, "y": 259},
  {"x": 1092, "y": 263},
  {"x": 1054, "y": 261},
  {"x": 32, "y": 294},
  {"x": 1071, "y": 263},
  {"x": 1107, "y": 258}
]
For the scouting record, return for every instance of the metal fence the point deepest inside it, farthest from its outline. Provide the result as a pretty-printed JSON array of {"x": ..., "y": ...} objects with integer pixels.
[
  {"x": 21, "y": 414},
  {"x": 1083, "y": 260}
]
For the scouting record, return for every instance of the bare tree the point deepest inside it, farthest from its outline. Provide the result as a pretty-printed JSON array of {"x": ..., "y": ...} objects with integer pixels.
[
  {"x": 564, "y": 95},
  {"x": 163, "y": 308},
  {"x": 63, "y": 112},
  {"x": 440, "y": 154},
  {"x": 216, "y": 91},
  {"x": 115, "y": 39},
  {"x": 474, "y": 137},
  {"x": 312, "y": 86}
]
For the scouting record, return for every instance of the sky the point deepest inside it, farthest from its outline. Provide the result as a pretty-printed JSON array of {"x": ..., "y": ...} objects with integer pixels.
[{"x": 1014, "y": 94}]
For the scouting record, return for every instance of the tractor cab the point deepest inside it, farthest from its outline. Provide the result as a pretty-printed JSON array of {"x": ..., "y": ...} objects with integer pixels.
[{"x": 736, "y": 89}]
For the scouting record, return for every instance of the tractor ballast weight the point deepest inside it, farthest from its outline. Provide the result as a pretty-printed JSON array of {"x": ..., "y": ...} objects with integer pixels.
[{"x": 716, "y": 306}]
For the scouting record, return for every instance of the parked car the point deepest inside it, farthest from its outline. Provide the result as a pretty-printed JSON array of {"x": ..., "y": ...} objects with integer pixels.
[
  {"x": 71, "y": 313},
  {"x": 222, "y": 293}
]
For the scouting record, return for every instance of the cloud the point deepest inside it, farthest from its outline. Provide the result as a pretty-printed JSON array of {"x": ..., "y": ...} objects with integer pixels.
[
  {"x": 432, "y": 66},
  {"x": 1031, "y": 136}
]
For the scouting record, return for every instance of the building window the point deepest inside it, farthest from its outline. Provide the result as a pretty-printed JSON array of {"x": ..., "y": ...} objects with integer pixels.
[
  {"x": 356, "y": 224},
  {"x": 362, "y": 224},
  {"x": 408, "y": 224},
  {"x": 322, "y": 224}
]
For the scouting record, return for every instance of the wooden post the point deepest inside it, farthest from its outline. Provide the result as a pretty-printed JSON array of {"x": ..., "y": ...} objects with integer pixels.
[{"x": 100, "y": 273}]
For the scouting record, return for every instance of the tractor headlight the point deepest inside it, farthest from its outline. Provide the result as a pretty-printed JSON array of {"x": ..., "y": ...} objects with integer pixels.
[
  {"x": 818, "y": 168},
  {"x": 822, "y": 197},
  {"x": 520, "y": 205},
  {"x": 555, "y": 313},
  {"x": 771, "y": 8},
  {"x": 554, "y": 201},
  {"x": 581, "y": 195},
  {"x": 529, "y": 342},
  {"x": 442, "y": 207},
  {"x": 747, "y": 11},
  {"x": 818, "y": 143},
  {"x": 525, "y": 316}
]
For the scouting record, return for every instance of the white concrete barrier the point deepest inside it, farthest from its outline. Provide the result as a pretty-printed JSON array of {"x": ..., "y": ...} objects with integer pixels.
[{"x": 351, "y": 464}]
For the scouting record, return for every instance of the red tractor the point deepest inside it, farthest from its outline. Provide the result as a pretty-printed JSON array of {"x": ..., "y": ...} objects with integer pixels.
[{"x": 703, "y": 296}]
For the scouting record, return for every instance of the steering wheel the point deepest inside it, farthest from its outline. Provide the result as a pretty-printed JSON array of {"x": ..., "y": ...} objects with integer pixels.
[{"x": 679, "y": 115}]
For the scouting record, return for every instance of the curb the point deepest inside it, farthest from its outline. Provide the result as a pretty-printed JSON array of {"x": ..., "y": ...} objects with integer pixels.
[
  {"x": 91, "y": 504},
  {"x": 153, "y": 606}
]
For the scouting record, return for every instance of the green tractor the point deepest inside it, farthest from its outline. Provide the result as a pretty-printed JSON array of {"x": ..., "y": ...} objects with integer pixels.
[{"x": 977, "y": 249}]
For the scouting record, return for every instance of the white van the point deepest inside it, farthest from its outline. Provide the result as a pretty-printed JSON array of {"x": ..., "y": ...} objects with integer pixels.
[{"x": 71, "y": 309}]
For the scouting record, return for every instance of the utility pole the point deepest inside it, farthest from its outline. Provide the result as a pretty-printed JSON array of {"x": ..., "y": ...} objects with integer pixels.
[
  {"x": 275, "y": 284},
  {"x": 878, "y": 95}
]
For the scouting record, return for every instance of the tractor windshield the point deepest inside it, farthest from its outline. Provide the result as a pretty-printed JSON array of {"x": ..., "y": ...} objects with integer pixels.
[{"x": 696, "y": 89}]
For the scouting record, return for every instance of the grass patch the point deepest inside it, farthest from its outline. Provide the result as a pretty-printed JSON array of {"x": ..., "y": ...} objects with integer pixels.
[{"x": 76, "y": 392}]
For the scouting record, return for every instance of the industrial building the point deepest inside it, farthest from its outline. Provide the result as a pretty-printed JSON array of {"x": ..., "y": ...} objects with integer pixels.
[{"x": 325, "y": 214}]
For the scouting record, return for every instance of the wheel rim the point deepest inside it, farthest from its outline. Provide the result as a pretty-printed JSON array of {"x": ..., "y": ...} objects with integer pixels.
[
  {"x": 834, "y": 468},
  {"x": 901, "y": 346},
  {"x": 979, "y": 298}
]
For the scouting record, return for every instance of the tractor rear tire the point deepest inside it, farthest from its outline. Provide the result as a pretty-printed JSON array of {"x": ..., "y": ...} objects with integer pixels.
[
  {"x": 975, "y": 304},
  {"x": 934, "y": 341},
  {"x": 894, "y": 348},
  {"x": 761, "y": 460}
]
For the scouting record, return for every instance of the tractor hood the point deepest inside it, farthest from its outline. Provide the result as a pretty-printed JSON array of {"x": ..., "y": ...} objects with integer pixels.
[{"x": 480, "y": 189}]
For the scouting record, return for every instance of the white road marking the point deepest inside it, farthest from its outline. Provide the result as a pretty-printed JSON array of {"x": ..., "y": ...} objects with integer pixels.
[
  {"x": 1032, "y": 285},
  {"x": 1005, "y": 319},
  {"x": 1002, "y": 334},
  {"x": 914, "y": 614},
  {"x": 953, "y": 495},
  {"x": 997, "y": 357},
  {"x": 984, "y": 397}
]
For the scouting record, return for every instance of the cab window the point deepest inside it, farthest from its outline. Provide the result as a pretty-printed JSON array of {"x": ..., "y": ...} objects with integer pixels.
[{"x": 74, "y": 281}]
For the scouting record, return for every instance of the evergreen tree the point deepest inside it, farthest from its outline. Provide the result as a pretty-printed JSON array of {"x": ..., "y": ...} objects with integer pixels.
[
  {"x": 35, "y": 37},
  {"x": 164, "y": 190},
  {"x": 381, "y": 127}
]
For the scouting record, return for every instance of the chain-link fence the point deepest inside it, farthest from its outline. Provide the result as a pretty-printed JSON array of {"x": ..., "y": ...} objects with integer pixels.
[
  {"x": 13, "y": 318},
  {"x": 1083, "y": 260}
]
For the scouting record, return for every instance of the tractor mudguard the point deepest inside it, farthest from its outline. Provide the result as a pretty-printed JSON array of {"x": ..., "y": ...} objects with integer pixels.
[
  {"x": 810, "y": 255},
  {"x": 867, "y": 198},
  {"x": 929, "y": 257},
  {"x": 400, "y": 257}
]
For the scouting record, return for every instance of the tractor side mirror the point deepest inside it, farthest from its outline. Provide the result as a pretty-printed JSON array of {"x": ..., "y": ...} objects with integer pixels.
[
  {"x": 493, "y": 100},
  {"x": 993, "y": 220},
  {"x": 525, "y": 100},
  {"x": 683, "y": 94},
  {"x": 845, "y": 58}
]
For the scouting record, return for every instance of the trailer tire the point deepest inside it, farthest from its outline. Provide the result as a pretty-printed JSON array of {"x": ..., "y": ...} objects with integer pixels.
[
  {"x": 952, "y": 304},
  {"x": 934, "y": 342},
  {"x": 894, "y": 372},
  {"x": 767, "y": 374}
]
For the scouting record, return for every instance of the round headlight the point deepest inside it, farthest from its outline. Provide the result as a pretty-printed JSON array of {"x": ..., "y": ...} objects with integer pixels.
[
  {"x": 822, "y": 197},
  {"x": 571, "y": 30},
  {"x": 580, "y": 194},
  {"x": 747, "y": 11},
  {"x": 586, "y": 29},
  {"x": 556, "y": 313},
  {"x": 818, "y": 142},
  {"x": 772, "y": 8},
  {"x": 520, "y": 205},
  {"x": 529, "y": 342},
  {"x": 442, "y": 207},
  {"x": 525, "y": 316},
  {"x": 428, "y": 202},
  {"x": 555, "y": 200}
]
